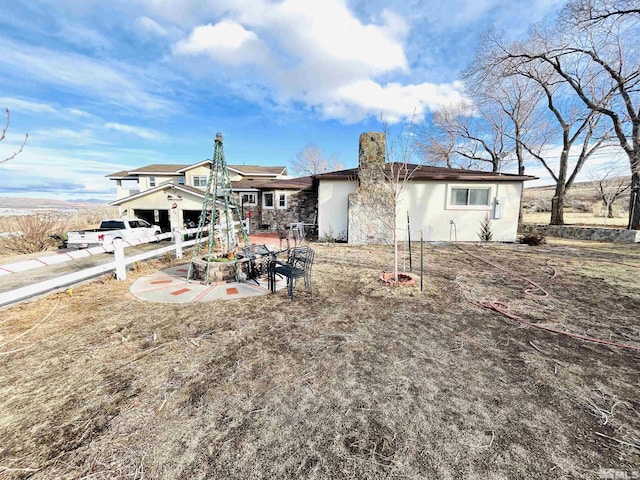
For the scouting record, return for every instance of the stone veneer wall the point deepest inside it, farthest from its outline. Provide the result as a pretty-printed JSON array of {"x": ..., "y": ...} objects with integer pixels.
[
  {"x": 302, "y": 206},
  {"x": 600, "y": 234},
  {"x": 371, "y": 206}
]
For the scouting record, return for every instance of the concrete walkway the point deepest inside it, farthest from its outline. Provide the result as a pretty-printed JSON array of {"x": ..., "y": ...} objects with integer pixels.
[{"x": 171, "y": 285}]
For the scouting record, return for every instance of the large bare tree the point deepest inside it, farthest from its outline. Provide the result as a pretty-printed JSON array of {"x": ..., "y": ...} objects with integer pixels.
[
  {"x": 593, "y": 49},
  {"x": 4, "y": 134},
  {"x": 311, "y": 160},
  {"x": 570, "y": 125},
  {"x": 466, "y": 136}
]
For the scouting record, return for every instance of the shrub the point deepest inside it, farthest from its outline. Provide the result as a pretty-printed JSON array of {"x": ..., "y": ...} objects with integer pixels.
[
  {"x": 32, "y": 233},
  {"x": 580, "y": 206},
  {"x": 533, "y": 239},
  {"x": 485, "y": 233}
]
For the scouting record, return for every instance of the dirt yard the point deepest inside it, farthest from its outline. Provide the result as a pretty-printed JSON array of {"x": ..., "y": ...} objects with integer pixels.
[{"x": 358, "y": 381}]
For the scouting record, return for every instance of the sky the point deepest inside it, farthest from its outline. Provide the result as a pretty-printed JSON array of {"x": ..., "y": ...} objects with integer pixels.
[{"x": 103, "y": 86}]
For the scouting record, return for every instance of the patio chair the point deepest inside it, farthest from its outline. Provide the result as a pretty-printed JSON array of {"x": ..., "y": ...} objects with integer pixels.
[{"x": 298, "y": 265}]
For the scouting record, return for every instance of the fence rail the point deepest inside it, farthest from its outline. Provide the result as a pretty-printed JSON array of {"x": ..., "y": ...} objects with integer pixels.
[{"x": 118, "y": 264}]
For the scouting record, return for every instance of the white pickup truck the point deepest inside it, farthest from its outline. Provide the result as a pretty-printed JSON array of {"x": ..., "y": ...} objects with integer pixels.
[{"x": 110, "y": 230}]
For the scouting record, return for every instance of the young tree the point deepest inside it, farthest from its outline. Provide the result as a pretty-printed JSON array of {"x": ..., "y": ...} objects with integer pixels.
[
  {"x": 609, "y": 184},
  {"x": 312, "y": 161},
  {"x": 4, "y": 134},
  {"x": 388, "y": 181}
]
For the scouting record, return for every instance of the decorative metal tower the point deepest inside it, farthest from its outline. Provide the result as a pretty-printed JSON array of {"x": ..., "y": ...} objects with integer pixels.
[{"x": 220, "y": 217}]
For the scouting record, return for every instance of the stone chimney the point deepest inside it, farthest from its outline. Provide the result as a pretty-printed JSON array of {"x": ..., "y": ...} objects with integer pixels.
[{"x": 371, "y": 206}]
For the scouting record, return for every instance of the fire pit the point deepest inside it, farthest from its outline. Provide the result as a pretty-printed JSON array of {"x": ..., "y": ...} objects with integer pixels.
[{"x": 221, "y": 270}]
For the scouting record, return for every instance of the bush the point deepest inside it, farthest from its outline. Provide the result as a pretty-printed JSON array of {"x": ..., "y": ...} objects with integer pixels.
[
  {"x": 533, "y": 239},
  {"x": 580, "y": 206},
  {"x": 540, "y": 205},
  {"x": 32, "y": 233},
  {"x": 486, "y": 232}
]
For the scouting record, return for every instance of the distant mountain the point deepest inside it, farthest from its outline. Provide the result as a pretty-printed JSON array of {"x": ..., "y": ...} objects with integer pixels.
[
  {"x": 22, "y": 203},
  {"x": 93, "y": 201}
]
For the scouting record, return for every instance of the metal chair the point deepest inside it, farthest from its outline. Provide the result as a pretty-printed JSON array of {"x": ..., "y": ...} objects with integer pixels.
[{"x": 298, "y": 265}]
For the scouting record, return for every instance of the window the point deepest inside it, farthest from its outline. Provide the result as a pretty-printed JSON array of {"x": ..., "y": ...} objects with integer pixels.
[
  {"x": 152, "y": 182},
  {"x": 267, "y": 200},
  {"x": 180, "y": 180},
  {"x": 248, "y": 199},
  {"x": 469, "y": 197},
  {"x": 282, "y": 200},
  {"x": 199, "y": 181}
]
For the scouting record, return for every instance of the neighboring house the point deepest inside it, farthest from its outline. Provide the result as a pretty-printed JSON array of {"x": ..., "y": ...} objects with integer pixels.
[
  {"x": 446, "y": 204},
  {"x": 172, "y": 195}
]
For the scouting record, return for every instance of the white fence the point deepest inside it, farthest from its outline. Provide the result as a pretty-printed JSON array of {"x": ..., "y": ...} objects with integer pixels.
[{"x": 119, "y": 264}]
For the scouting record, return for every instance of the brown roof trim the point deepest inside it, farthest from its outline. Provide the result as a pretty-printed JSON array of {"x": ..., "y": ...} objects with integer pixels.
[
  {"x": 300, "y": 183},
  {"x": 122, "y": 175},
  {"x": 425, "y": 172},
  {"x": 159, "y": 169}
]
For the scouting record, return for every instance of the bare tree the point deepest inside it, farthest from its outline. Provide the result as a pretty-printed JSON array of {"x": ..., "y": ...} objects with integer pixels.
[
  {"x": 312, "y": 161},
  {"x": 465, "y": 136},
  {"x": 516, "y": 97},
  {"x": 609, "y": 184},
  {"x": 4, "y": 134},
  {"x": 593, "y": 49},
  {"x": 571, "y": 123},
  {"x": 589, "y": 12}
]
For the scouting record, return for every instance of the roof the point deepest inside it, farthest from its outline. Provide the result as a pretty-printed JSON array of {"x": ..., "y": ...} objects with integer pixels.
[
  {"x": 424, "y": 172},
  {"x": 122, "y": 175},
  {"x": 159, "y": 168},
  {"x": 258, "y": 170},
  {"x": 175, "y": 169},
  {"x": 164, "y": 186},
  {"x": 300, "y": 183}
]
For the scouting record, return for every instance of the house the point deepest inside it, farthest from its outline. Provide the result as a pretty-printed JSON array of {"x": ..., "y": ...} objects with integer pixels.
[
  {"x": 446, "y": 204},
  {"x": 172, "y": 195}
]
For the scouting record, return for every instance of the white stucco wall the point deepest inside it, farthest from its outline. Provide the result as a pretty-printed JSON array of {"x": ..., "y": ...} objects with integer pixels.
[
  {"x": 333, "y": 207},
  {"x": 428, "y": 205},
  {"x": 429, "y": 210}
]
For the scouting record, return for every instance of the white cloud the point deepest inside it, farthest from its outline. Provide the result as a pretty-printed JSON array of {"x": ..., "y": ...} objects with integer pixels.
[
  {"x": 106, "y": 81},
  {"x": 58, "y": 174},
  {"x": 78, "y": 35},
  {"x": 17, "y": 104},
  {"x": 321, "y": 54},
  {"x": 149, "y": 28},
  {"x": 146, "y": 133},
  {"x": 64, "y": 136},
  {"x": 226, "y": 42},
  {"x": 395, "y": 101}
]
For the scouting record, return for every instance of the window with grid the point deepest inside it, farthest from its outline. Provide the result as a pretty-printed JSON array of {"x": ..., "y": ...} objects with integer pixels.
[
  {"x": 249, "y": 198},
  {"x": 199, "y": 181},
  {"x": 469, "y": 196},
  {"x": 267, "y": 200}
]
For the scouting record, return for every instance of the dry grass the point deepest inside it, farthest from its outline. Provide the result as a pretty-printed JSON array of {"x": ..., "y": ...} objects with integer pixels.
[
  {"x": 38, "y": 230},
  {"x": 582, "y": 207},
  {"x": 358, "y": 381},
  {"x": 576, "y": 218}
]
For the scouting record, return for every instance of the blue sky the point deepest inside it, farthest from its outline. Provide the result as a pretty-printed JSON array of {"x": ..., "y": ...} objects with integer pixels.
[{"x": 103, "y": 86}]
